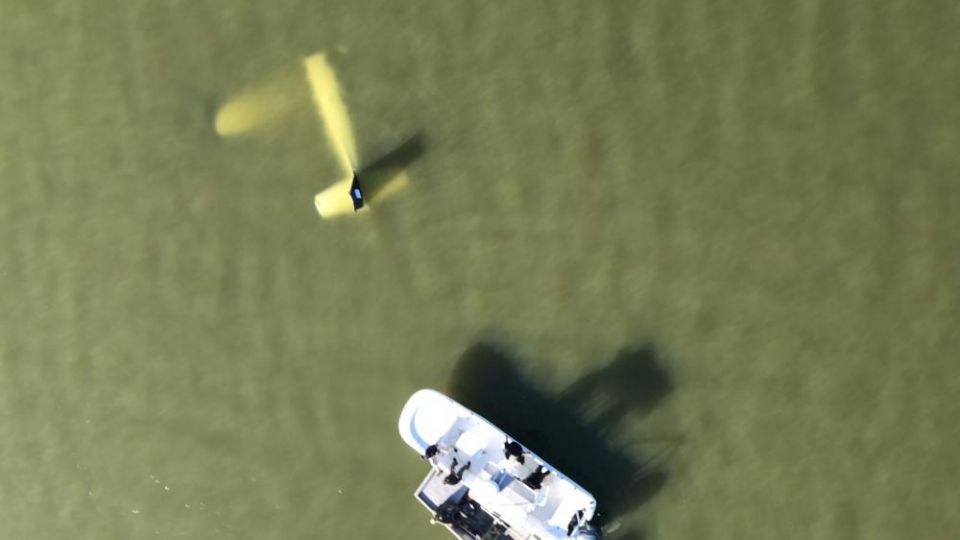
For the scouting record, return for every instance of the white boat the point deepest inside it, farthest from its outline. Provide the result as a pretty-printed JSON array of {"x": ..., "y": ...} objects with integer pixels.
[{"x": 485, "y": 485}]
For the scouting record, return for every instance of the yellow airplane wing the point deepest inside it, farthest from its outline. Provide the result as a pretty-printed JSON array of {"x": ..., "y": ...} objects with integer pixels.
[{"x": 329, "y": 103}]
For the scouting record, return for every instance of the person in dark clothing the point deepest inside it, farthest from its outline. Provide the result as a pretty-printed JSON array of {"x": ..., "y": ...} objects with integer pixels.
[
  {"x": 447, "y": 513},
  {"x": 431, "y": 451},
  {"x": 455, "y": 476},
  {"x": 535, "y": 479},
  {"x": 512, "y": 449}
]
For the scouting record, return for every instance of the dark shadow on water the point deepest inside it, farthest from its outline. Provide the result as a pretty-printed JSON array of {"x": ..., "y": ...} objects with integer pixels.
[
  {"x": 634, "y": 382},
  {"x": 572, "y": 430},
  {"x": 375, "y": 175}
]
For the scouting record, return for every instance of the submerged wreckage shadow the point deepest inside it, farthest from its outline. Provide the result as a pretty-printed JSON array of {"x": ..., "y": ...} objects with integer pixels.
[{"x": 572, "y": 430}]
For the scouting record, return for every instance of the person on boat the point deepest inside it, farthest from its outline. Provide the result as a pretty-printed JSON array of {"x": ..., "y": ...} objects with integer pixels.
[
  {"x": 512, "y": 449},
  {"x": 535, "y": 479},
  {"x": 455, "y": 476},
  {"x": 430, "y": 452},
  {"x": 446, "y": 514},
  {"x": 434, "y": 453}
]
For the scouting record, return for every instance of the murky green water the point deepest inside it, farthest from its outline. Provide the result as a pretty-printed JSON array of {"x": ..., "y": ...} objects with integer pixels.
[{"x": 762, "y": 196}]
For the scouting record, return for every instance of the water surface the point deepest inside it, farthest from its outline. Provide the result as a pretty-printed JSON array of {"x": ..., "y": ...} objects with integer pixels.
[{"x": 763, "y": 196}]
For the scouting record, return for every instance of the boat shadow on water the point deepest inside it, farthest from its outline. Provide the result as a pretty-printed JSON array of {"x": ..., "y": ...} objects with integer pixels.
[{"x": 574, "y": 429}]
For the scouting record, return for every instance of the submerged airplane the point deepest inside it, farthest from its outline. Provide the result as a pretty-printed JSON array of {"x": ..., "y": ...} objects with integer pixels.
[{"x": 347, "y": 195}]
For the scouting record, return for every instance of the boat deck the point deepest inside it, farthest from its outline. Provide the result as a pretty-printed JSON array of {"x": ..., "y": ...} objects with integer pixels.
[
  {"x": 479, "y": 492},
  {"x": 497, "y": 485}
]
